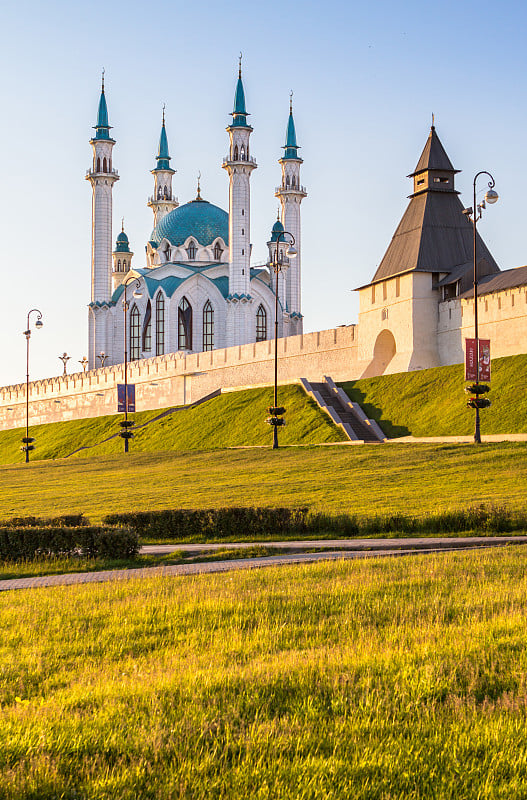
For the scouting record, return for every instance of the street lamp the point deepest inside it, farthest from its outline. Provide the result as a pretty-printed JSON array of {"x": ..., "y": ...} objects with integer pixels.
[
  {"x": 103, "y": 358},
  {"x": 64, "y": 358},
  {"x": 126, "y": 424},
  {"x": 84, "y": 364},
  {"x": 476, "y": 211},
  {"x": 278, "y": 264},
  {"x": 27, "y": 440}
]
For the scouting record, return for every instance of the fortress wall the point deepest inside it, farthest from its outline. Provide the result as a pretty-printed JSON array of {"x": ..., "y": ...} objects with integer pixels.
[
  {"x": 176, "y": 378},
  {"x": 502, "y": 318}
]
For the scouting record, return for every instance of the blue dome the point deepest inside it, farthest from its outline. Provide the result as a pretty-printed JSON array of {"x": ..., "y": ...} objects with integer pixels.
[
  {"x": 278, "y": 228},
  {"x": 199, "y": 219}
]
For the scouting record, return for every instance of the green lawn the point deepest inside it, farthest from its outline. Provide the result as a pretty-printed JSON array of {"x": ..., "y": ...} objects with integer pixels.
[
  {"x": 413, "y": 479},
  {"x": 401, "y": 678},
  {"x": 432, "y": 402},
  {"x": 230, "y": 420}
]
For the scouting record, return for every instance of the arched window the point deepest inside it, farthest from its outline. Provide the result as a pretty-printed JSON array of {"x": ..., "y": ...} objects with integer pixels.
[
  {"x": 191, "y": 251},
  {"x": 293, "y": 181},
  {"x": 147, "y": 328},
  {"x": 261, "y": 324},
  {"x": 160, "y": 324},
  {"x": 287, "y": 180},
  {"x": 167, "y": 252},
  {"x": 208, "y": 326},
  {"x": 134, "y": 333},
  {"x": 160, "y": 193},
  {"x": 184, "y": 325},
  {"x": 242, "y": 153},
  {"x": 119, "y": 265},
  {"x": 98, "y": 165},
  {"x": 236, "y": 152},
  {"x": 124, "y": 266},
  {"x": 217, "y": 251},
  {"x": 165, "y": 193},
  {"x": 104, "y": 165}
]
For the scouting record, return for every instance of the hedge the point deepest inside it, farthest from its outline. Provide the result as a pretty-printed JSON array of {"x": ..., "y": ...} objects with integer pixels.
[
  {"x": 31, "y": 542},
  {"x": 217, "y": 523},
  {"x": 63, "y": 521}
]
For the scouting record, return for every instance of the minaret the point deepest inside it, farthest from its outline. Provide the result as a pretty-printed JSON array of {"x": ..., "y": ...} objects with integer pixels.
[
  {"x": 122, "y": 259},
  {"x": 102, "y": 178},
  {"x": 291, "y": 193},
  {"x": 278, "y": 246},
  {"x": 162, "y": 201},
  {"x": 239, "y": 166}
]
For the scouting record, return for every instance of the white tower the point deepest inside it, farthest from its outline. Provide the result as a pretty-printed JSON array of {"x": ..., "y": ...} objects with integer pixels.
[
  {"x": 291, "y": 193},
  {"x": 239, "y": 166},
  {"x": 162, "y": 201},
  {"x": 102, "y": 177}
]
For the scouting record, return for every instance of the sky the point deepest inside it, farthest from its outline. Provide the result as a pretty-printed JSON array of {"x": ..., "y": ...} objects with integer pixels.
[{"x": 366, "y": 79}]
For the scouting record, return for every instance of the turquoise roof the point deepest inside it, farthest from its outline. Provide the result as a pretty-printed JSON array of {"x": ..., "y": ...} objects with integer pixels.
[
  {"x": 122, "y": 244},
  {"x": 199, "y": 219},
  {"x": 278, "y": 228},
  {"x": 291, "y": 147},
  {"x": 171, "y": 283},
  {"x": 163, "y": 157},
  {"x": 102, "y": 127},
  {"x": 240, "y": 113}
]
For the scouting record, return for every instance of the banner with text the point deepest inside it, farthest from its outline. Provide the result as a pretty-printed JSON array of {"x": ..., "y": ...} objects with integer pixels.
[
  {"x": 471, "y": 364},
  {"x": 120, "y": 397}
]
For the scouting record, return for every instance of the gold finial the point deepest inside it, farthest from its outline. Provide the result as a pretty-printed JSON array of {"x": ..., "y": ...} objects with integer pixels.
[
  {"x": 433, "y": 119},
  {"x": 199, "y": 187},
  {"x": 291, "y": 102},
  {"x": 122, "y": 225},
  {"x": 278, "y": 213},
  {"x": 103, "y": 80},
  {"x": 164, "y": 106},
  {"x": 240, "y": 65}
]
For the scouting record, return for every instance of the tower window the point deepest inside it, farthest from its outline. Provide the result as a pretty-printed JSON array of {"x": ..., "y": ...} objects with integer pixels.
[
  {"x": 191, "y": 251},
  {"x": 236, "y": 152},
  {"x": 160, "y": 324},
  {"x": 293, "y": 181},
  {"x": 243, "y": 252},
  {"x": 287, "y": 180},
  {"x": 261, "y": 324},
  {"x": 134, "y": 333},
  {"x": 208, "y": 326},
  {"x": 441, "y": 180},
  {"x": 242, "y": 153},
  {"x": 217, "y": 251},
  {"x": 119, "y": 265},
  {"x": 104, "y": 165},
  {"x": 243, "y": 212},
  {"x": 124, "y": 266},
  {"x": 184, "y": 325},
  {"x": 98, "y": 165},
  {"x": 243, "y": 231}
]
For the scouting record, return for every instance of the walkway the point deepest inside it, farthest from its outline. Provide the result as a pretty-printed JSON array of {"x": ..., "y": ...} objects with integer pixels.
[{"x": 359, "y": 548}]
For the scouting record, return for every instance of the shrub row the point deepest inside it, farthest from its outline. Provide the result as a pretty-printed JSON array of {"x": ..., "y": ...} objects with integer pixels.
[
  {"x": 29, "y": 543},
  {"x": 63, "y": 521},
  {"x": 179, "y": 524},
  {"x": 213, "y": 523}
]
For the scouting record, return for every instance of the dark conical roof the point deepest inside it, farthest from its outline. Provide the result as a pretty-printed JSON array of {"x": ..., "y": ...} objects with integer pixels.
[
  {"x": 434, "y": 235},
  {"x": 433, "y": 156}
]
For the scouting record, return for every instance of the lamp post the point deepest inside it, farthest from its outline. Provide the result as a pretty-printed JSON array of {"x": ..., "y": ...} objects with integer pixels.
[
  {"x": 125, "y": 425},
  {"x": 278, "y": 265},
  {"x": 27, "y": 440},
  {"x": 103, "y": 358},
  {"x": 84, "y": 364},
  {"x": 64, "y": 358},
  {"x": 490, "y": 197}
]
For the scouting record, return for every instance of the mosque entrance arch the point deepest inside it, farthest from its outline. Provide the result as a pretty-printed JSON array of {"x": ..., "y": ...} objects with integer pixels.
[{"x": 383, "y": 351}]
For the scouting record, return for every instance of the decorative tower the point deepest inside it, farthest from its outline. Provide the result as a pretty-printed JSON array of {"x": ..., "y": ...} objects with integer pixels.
[
  {"x": 291, "y": 193},
  {"x": 122, "y": 259},
  {"x": 239, "y": 166},
  {"x": 162, "y": 201},
  {"x": 102, "y": 177}
]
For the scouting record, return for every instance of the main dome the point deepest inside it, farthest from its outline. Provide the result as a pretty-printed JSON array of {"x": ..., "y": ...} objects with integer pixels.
[{"x": 199, "y": 219}]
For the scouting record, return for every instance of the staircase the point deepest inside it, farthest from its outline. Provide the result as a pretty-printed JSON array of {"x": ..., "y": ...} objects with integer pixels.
[{"x": 347, "y": 415}]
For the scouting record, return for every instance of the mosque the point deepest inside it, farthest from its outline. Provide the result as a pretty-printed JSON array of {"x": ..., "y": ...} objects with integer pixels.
[{"x": 197, "y": 290}]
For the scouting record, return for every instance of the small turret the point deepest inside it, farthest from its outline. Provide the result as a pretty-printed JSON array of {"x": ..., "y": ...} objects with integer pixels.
[{"x": 122, "y": 259}]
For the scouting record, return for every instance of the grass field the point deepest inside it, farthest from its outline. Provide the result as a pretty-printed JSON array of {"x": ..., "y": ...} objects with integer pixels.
[
  {"x": 230, "y": 420},
  {"x": 432, "y": 402},
  {"x": 403, "y": 678},
  {"x": 413, "y": 479}
]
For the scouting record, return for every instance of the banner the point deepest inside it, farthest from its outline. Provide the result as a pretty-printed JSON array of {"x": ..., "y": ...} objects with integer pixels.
[
  {"x": 471, "y": 365},
  {"x": 120, "y": 397}
]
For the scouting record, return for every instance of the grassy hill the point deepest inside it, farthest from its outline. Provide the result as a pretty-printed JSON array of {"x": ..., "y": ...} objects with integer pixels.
[
  {"x": 230, "y": 420},
  {"x": 432, "y": 402}
]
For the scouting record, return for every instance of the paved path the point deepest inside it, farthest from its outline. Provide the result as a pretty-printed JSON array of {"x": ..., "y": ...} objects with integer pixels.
[{"x": 385, "y": 547}]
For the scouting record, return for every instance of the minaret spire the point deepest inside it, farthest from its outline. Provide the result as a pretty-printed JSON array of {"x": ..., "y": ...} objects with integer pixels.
[{"x": 162, "y": 201}]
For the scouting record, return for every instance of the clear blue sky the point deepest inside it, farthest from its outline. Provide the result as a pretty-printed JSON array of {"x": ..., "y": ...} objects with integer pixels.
[{"x": 366, "y": 78}]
